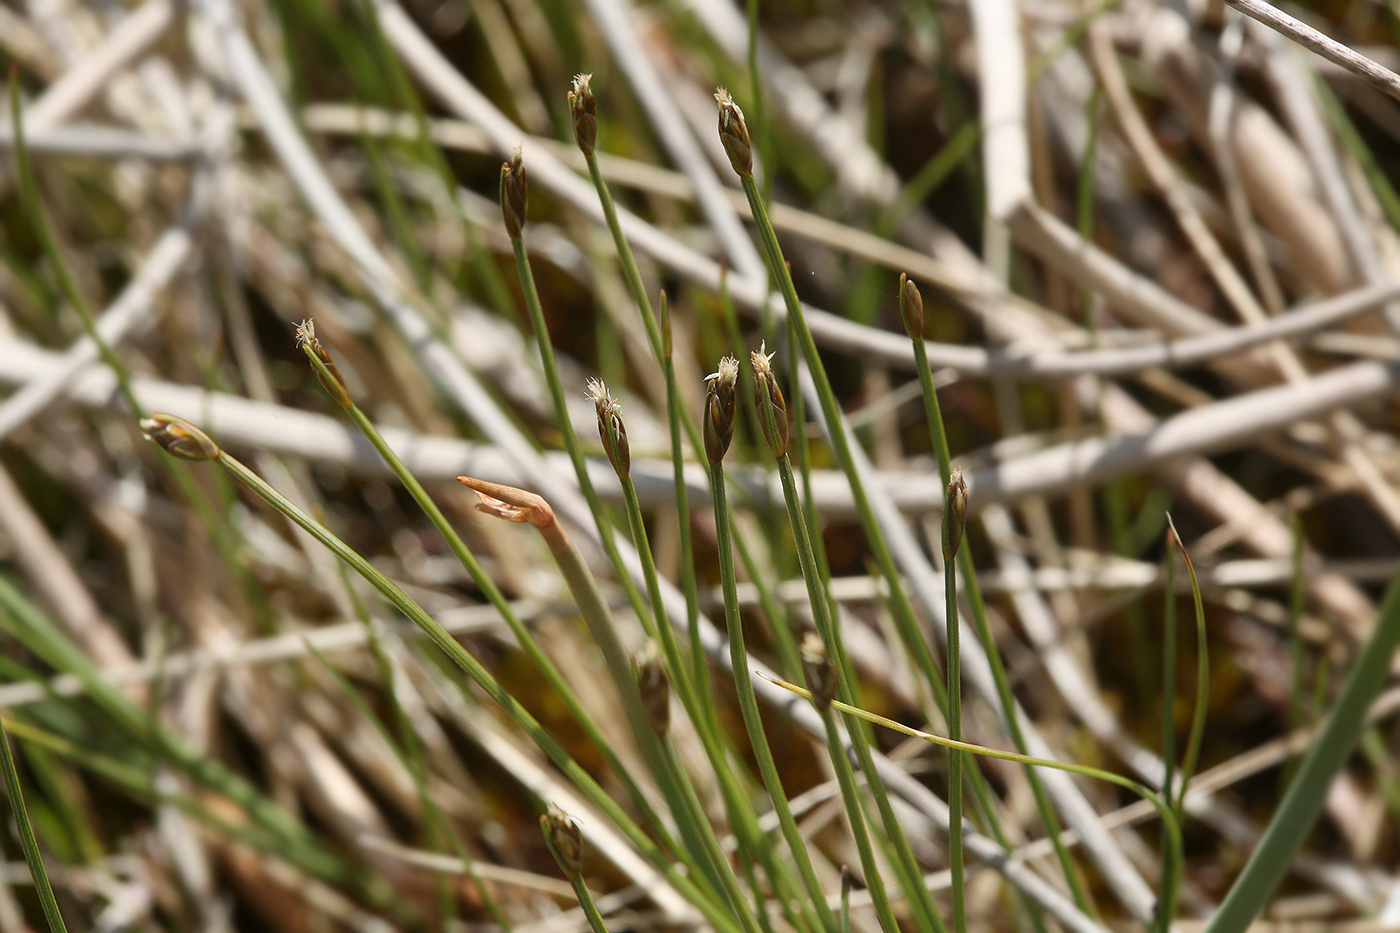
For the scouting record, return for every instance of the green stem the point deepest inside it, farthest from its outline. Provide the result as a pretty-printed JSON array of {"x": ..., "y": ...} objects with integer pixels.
[
  {"x": 748, "y": 705},
  {"x": 25, "y": 830},
  {"x": 955, "y": 759}
]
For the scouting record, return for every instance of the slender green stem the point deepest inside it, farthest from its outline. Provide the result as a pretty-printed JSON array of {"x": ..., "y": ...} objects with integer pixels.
[
  {"x": 955, "y": 759},
  {"x": 1169, "y": 675},
  {"x": 748, "y": 705},
  {"x": 25, "y": 830},
  {"x": 590, "y": 908},
  {"x": 1198, "y": 717}
]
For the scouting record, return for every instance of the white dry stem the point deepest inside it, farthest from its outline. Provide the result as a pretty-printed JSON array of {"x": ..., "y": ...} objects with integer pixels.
[{"x": 1377, "y": 75}]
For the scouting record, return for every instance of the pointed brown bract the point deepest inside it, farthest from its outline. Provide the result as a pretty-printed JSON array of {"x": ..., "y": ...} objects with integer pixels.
[
  {"x": 179, "y": 438},
  {"x": 565, "y": 840},
  {"x": 734, "y": 134},
  {"x": 585, "y": 114},
  {"x": 611, "y": 430},
  {"x": 954, "y": 515},
  {"x": 513, "y": 194},
  {"x": 510, "y": 503},
  {"x": 335, "y": 385},
  {"x": 911, "y": 304},
  {"x": 719, "y": 409},
  {"x": 768, "y": 398}
]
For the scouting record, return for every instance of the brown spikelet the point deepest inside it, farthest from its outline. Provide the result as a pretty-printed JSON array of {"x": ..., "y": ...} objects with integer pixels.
[
  {"x": 180, "y": 438},
  {"x": 513, "y": 194}
]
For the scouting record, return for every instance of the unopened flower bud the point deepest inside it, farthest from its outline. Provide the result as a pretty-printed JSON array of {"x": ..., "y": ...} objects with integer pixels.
[
  {"x": 654, "y": 684},
  {"x": 513, "y": 194},
  {"x": 719, "y": 409},
  {"x": 911, "y": 307},
  {"x": 610, "y": 427},
  {"x": 585, "y": 113},
  {"x": 734, "y": 134},
  {"x": 819, "y": 670},
  {"x": 768, "y": 399},
  {"x": 954, "y": 515},
  {"x": 565, "y": 841},
  {"x": 330, "y": 380},
  {"x": 178, "y": 437}
]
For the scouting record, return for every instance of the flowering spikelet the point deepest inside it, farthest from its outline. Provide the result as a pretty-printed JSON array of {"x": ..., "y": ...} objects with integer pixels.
[
  {"x": 819, "y": 670},
  {"x": 911, "y": 306},
  {"x": 610, "y": 427},
  {"x": 178, "y": 437},
  {"x": 734, "y": 134},
  {"x": 719, "y": 409},
  {"x": 654, "y": 684},
  {"x": 565, "y": 840},
  {"x": 513, "y": 192},
  {"x": 768, "y": 399},
  {"x": 585, "y": 113},
  {"x": 954, "y": 515},
  {"x": 335, "y": 385}
]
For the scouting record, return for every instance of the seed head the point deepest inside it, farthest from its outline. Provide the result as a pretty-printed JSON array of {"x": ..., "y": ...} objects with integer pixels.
[
  {"x": 654, "y": 684},
  {"x": 178, "y": 437},
  {"x": 954, "y": 515},
  {"x": 820, "y": 671},
  {"x": 330, "y": 380},
  {"x": 564, "y": 839},
  {"x": 768, "y": 399},
  {"x": 719, "y": 409},
  {"x": 585, "y": 112},
  {"x": 610, "y": 427},
  {"x": 513, "y": 194},
  {"x": 911, "y": 307},
  {"x": 734, "y": 134}
]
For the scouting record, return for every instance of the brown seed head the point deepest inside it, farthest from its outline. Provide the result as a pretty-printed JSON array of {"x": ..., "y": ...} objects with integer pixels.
[
  {"x": 768, "y": 398},
  {"x": 585, "y": 112},
  {"x": 330, "y": 380},
  {"x": 513, "y": 194},
  {"x": 911, "y": 305},
  {"x": 654, "y": 684},
  {"x": 734, "y": 134},
  {"x": 819, "y": 670},
  {"x": 178, "y": 437},
  {"x": 610, "y": 427},
  {"x": 719, "y": 409},
  {"x": 564, "y": 839},
  {"x": 954, "y": 515}
]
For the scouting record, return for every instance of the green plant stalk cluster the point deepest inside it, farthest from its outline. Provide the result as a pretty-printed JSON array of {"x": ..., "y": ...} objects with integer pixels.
[
  {"x": 712, "y": 910},
  {"x": 694, "y": 684},
  {"x": 748, "y": 707}
]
